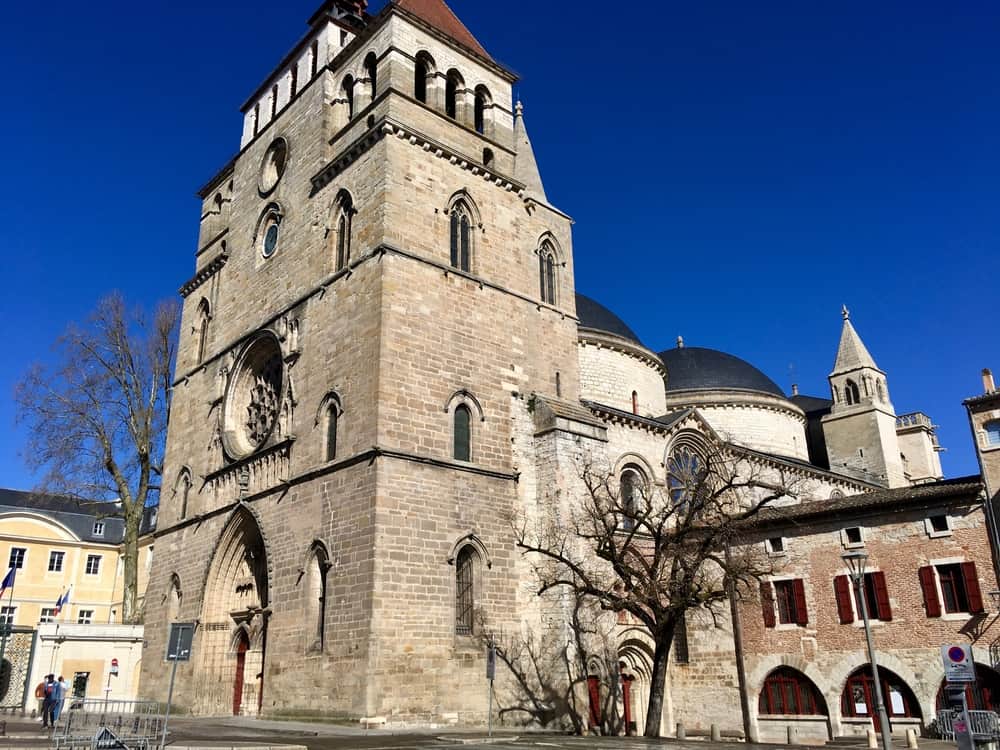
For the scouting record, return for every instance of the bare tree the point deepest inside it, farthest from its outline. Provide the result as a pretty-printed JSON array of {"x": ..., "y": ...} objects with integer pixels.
[
  {"x": 97, "y": 417},
  {"x": 655, "y": 554}
]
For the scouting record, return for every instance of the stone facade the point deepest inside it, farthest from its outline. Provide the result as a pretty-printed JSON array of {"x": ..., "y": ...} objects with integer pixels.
[{"x": 382, "y": 364}]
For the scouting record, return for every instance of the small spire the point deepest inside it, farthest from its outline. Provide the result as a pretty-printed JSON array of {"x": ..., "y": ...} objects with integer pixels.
[
  {"x": 795, "y": 389},
  {"x": 680, "y": 342},
  {"x": 519, "y": 109},
  {"x": 846, "y": 313}
]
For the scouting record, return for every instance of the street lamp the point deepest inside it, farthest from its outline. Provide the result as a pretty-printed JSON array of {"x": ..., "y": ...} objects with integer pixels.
[{"x": 856, "y": 564}]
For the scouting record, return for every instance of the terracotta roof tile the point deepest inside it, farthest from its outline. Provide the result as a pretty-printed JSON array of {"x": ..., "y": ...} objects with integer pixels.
[{"x": 441, "y": 17}]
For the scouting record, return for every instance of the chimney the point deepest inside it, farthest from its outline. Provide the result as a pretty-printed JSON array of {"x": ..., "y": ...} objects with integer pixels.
[{"x": 988, "y": 385}]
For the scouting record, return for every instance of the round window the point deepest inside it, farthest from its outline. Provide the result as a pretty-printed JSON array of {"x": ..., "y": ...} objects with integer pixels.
[
  {"x": 253, "y": 398},
  {"x": 273, "y": 166}
]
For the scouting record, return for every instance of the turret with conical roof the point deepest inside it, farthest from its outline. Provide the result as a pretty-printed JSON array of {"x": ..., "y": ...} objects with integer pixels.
[{"x": 861, "y": 427}]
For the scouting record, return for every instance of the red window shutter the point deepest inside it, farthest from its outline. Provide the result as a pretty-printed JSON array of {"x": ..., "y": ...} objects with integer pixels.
[
  {"x": 882, "y": 596},
  {"x": 842, "y": 589},
  {"x": 801, "y": 612},
  {"x": 972, "y": 588},
  {"x": 931, "y": 601},
  {"x": 767, "y": 603}
]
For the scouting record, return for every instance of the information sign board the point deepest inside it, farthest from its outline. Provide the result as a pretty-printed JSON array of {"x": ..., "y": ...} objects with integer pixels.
[{"x": 179, "y": 643}]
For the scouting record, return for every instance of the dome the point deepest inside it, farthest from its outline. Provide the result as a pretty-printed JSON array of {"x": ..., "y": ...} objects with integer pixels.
[
  {"x": 697, "y": 369},
  {"x": 597, "y": 317}
]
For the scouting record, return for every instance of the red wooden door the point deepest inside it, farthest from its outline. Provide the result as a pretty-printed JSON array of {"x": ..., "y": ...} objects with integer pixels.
[{"x": 241, "y": 660}]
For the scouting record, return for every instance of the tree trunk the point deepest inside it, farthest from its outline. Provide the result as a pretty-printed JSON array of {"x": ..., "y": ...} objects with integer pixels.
[
  {"x": 130, "y": 569},
  {"x": 654, "y": 712}
]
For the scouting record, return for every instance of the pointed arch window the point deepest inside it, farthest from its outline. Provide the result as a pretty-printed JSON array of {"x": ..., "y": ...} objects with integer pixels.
[
  {"x": 687, "y": 472},
  {"x": 345, "y": 213},
  {"x": 462, "y": 433},
  {"x": 204, "y": 316},
  {"x": 331, "y": 427},
  {"x": 316, "y": 585},
  {"x": 461, "y": 237},
  {"x": 182, "y": 491},
  {"x": 852, "y": 394},
  {"x": 547, "y": 273},
  {"x": 465, "y": 590}
]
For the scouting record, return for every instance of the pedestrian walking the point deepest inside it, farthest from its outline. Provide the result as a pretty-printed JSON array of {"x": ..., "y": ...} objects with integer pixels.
[
  {"x": 48, "y": 702},
  {"x": 64, "y": 692}
]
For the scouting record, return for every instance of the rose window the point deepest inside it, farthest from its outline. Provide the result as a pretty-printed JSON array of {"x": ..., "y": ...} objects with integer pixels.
[{"x": 253, "y": 397}]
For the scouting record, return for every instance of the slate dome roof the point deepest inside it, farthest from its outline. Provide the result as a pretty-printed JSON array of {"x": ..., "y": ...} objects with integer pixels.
[
  {"x": 596, "y": 316},
  {"x": 692, "y": 368}
]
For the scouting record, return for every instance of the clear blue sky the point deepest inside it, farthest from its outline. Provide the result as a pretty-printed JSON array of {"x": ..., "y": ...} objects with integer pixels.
[{"x": 737, "y": 171}]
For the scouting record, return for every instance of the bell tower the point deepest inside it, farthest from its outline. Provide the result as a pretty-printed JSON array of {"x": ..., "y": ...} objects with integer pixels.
[{"x": 861, "y": 427}]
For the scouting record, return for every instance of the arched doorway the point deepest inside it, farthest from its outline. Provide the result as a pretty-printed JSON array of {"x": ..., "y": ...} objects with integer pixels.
[
  {"x": 788, "y": 692},
  {"x": 858, "y": 698},
  {"x": 242, "y": 646},
  {"x": 982, "y": 695},
  {"x": 234, "y": 618}
]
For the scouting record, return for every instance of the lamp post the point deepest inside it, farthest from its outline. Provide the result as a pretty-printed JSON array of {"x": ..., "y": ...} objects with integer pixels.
[{"x": 856, "y": 564}]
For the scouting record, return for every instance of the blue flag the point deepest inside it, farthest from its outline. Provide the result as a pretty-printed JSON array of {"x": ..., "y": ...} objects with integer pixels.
[{"x": 8, "y": 582}]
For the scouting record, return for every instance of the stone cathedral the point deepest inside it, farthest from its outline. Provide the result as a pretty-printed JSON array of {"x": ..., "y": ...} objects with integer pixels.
[{"x": 383, "y": 358}]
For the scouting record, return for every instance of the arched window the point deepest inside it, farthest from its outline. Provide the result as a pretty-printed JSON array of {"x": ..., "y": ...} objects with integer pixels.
[
  {"x": 269, "y": 230},
  {"x": 465, "y": 590},
  {"x": 635, "y": 402},
  {"x": 313, "y": 58},
  {"x": 345, "y": 212},
  {"x": 686, "y": 473},
  {"x": 183, "y": 491},
  {"x": 331, "y": 424},
  {"x": 981, "y": 695},
  {"x": 851, "y": 393},
  {"x": 482, "y": 103},
  {"x": 463, "y": 433},
  {"x": 461, "y": 237},
  {"x": 315, "y": 592},
  {"x": 452, "y": 94},
  {"x": 547, "y": 273},
  {"x": 992, "y": 432},
  {"x": 488, "y": 158},
  {"x": 204, "y": 316},
  {"x": 174, "y": 599},
  {"x": 347, "y": 94},
  {"x": 858, "y": 698},
  {"x": 371, "y": 70},
  {"x": 788, "y": 691},
  {"x": 631, "y": 493},
  {"x": 422, "y": 72}
]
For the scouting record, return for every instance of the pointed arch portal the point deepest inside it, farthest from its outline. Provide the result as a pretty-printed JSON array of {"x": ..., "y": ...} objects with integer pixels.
[{"x": 234, "y": 617}]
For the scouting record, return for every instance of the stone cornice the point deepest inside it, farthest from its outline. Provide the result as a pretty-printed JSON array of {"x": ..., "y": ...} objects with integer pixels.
[
  {"x": 368, "y": 456},
  {"x": 387, "y": 126},
  {"x": 603, "y": 340},
  {"x": 207, "y": 271},
  {"x": 734, "y": 398}
]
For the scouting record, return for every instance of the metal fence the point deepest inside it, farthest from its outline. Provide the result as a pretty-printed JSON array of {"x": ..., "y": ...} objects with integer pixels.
[
  {"x": 98, "y": 724},
  {"x": 985, "y": 725}
]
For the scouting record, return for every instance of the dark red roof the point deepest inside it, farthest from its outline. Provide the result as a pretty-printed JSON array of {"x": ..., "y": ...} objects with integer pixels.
[{"x": 436, "y": 13}]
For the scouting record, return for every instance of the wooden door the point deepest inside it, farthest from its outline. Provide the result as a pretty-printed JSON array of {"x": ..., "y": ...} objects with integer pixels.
[{"x": 241, "y": 660}]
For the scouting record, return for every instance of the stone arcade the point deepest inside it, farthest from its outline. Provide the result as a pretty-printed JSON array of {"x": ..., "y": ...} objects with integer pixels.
[{"x": 383, "y": 357}]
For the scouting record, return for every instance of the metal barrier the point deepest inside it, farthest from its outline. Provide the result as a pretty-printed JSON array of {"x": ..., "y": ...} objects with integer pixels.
[
  {"x": 985, "y": 725},
  {"x": 98, "y": 724}
]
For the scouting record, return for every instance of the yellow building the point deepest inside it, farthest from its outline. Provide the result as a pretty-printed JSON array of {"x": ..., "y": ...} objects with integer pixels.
[{"x": 60, "y": 546}]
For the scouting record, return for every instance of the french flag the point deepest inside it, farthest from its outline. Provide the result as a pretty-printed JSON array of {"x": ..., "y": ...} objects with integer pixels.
[
  {"x": 63, "y": 601},
  {"x": 8, "y": 582}
]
